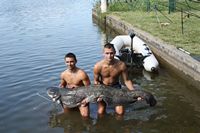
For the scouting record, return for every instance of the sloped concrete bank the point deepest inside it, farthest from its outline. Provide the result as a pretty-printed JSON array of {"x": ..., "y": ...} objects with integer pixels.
[{"x": 179, "y": 62}]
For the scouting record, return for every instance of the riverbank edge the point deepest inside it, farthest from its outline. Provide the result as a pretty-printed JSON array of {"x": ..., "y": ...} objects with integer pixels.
[{"x": 184, "y": 63}]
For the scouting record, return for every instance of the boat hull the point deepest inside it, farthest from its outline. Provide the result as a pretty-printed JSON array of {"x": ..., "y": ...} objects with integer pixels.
[{"x": 146, "y": 58}]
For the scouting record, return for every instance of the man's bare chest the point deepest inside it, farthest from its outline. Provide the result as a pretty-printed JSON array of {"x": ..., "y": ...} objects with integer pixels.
[
  {"x": 110, "y": 71},
  {"x": 72, "y": 79}
]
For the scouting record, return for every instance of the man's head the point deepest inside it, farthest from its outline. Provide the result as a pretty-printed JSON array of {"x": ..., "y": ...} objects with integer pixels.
[
  {"x": 70, "y": 60},
  {"x": 109, "y": 51}
]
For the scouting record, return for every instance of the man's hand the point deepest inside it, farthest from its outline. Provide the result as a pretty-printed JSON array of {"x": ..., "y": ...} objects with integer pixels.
[
  {"x": 139, "y": 99},
  {"x": 61, "y": 86},
  {"x": 84, "y": 102},
  {"x": 100, "y": 98}
]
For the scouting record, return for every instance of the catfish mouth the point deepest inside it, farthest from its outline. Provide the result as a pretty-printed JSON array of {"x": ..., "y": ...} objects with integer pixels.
[{"x": 53, "y": 93}]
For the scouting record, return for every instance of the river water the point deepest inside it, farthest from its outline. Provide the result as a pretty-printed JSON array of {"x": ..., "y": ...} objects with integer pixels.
[{"x": 34, "y": 37}]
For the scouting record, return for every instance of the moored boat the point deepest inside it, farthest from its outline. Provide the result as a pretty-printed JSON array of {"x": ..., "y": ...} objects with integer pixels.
[{"x": 134, "y": 51}]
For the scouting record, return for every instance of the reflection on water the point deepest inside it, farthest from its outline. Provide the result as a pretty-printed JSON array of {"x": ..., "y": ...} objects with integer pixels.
[
  {"x": 72, "y": 122},
  {"x": 35, "y": 36}
]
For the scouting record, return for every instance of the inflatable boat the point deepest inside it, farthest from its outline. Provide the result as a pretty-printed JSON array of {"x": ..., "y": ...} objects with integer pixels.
[{"x": 134, "y": 51}]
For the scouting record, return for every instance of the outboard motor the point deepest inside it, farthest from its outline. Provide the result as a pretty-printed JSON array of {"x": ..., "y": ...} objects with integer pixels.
[{"x": 127, "y": 57}]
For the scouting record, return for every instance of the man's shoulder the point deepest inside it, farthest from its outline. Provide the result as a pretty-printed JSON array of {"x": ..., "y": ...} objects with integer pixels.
[
  {"x": 65, "y": 72},
  {"x": 118, "y": 62},
  {"x": 81, "y": 74},
  {"x": 99, "y": 63},
  {"x": 81, "y": 71}
]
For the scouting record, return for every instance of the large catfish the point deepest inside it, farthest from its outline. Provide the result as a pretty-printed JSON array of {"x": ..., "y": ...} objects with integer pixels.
[{"x": 110, "y": 95}]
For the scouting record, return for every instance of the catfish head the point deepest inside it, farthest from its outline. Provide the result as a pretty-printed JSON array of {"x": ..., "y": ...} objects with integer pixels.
[{"x": 54, "y": 94}]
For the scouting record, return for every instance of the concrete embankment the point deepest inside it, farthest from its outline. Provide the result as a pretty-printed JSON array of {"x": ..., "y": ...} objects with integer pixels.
[{"x": 183, "y": 64}]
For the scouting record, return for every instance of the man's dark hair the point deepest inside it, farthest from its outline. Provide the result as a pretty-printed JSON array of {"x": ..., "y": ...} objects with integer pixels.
[
  {"x": 71, "y": 55},
  {"x": 109, "y": 46}
]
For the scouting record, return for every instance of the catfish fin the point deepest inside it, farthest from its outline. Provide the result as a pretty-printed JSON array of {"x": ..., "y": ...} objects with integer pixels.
[{"x": 151, "y": 100}]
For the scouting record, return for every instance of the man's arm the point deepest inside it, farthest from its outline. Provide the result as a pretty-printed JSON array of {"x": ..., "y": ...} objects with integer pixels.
[
  {"x": 127, "y": 81},
  {"x": 85, "y": 79},
  {"x": 63, "y": 83},
  {"x": 96, "y": 74},
  {"x": 86, "y": 82}
]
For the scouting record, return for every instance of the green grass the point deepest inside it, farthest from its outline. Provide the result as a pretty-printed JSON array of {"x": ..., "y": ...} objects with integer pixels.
[
  {"x": 151, "y": 22},
  {"x": 171, "y": 33}
]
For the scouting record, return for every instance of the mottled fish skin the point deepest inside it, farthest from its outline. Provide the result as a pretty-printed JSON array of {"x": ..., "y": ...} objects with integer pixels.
[{"x": 112, "y": 96}]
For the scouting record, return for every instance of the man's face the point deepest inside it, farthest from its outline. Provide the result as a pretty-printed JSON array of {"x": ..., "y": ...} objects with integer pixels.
[
  {"x": 109, "y": 54},
  {"x": 70, "y": 62}
]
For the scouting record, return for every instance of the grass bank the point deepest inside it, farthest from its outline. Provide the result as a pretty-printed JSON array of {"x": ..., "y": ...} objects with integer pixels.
[
  {"x": 170, "y": 32},
  {"x": 159, "y": 22}
]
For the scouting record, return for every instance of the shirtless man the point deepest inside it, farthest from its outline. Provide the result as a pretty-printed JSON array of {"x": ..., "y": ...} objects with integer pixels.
[
  {"x": 107, "y": 72},
  {"x": 74, "y": 77}
]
